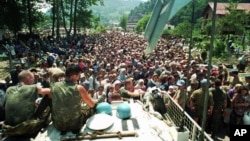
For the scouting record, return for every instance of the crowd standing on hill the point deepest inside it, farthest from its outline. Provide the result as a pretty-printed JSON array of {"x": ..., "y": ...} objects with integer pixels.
[{"x": 113, "y": 65}]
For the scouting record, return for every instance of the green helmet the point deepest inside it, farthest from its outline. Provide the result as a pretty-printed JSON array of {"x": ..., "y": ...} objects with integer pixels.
[
  {"x": 123, "y": 111},
  {"x": 104, "y": 107}
]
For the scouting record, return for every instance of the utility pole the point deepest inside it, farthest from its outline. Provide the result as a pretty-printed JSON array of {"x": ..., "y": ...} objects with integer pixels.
[{"x": 204, "y": 115}]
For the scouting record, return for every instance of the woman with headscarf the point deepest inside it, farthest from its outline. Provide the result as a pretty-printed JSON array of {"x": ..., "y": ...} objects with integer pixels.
[{"x": 140, "y": 85}]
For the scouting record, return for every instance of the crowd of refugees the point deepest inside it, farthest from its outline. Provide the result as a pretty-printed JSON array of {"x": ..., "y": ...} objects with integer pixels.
[{"x": 113, "y": 66}]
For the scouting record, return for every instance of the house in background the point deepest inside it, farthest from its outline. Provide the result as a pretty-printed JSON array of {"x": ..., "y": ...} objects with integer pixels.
[{"x": 221, "y": 10}]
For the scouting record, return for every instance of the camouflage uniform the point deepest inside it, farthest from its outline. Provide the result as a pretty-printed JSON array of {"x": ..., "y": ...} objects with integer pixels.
[
  {"x": 182, "y": 97},
  {"x": 20, "y": 103},
  {"x": 66, "y": 103},
  {"x": 20, "y": 110},
  {"x": 124, "y": 93},
  {"x": 198, "y": 97}
]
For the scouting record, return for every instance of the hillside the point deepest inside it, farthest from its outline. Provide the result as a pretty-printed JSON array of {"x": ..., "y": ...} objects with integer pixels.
[{"x": 114, "y": 9}]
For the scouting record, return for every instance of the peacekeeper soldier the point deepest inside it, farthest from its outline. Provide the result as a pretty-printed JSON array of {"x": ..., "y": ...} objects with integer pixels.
[
  {"x": 190, "y": 89},
  {"x": 181, "y": 95},
  {"x": 220, "y": 103},
  {"x": 127, "y": 91},
  {"x": 23, "y": 118},
  {"x": 197, "y": 102},
  {"x": 67, "y": 97}
]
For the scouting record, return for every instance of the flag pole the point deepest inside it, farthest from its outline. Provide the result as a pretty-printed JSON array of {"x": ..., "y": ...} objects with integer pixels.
[
  {"x": 204, "y": 115},
  {"x": 188, "y": 66},
  {"x": 163, "y": 11}
]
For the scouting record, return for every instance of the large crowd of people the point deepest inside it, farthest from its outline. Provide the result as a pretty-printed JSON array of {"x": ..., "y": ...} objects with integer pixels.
[{"x": 113, "y": 66}]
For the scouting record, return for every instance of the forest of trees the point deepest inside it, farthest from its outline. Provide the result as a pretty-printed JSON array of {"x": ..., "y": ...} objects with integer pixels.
[
  {"x": 113, "y": 10},
  {"x": 70, "y": 14}
]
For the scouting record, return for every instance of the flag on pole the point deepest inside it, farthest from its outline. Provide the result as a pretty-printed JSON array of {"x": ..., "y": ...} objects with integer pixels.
[
  {"x": 153, "y": 19},
  {"x": 163, "y": 11}
]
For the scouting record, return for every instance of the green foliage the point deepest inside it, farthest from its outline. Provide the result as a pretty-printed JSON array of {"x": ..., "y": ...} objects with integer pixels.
[
  {"x": 185, "y": 14},
  {"x": 84, "y": 19},
  {"x": 201, "y": 42},
  {"x": 198, "y": 23},
  {"x": 142, "y": 23},
  {"x": 95, "y": 21},
  {"x": 16, "y": 15},
  {"x": 11, "y": 15},
  {"x": 183, "y": 29},
  {"x": 112, "y": 10},
  {"x": 219, "y": 48},
  {"x": 234, "y": 22},
  {"x": 100, "y": 29},
  {"x": 207, "y": 29},
  {"x": 3, "y": 57},
  {"x": 123, "y": 22},
  {"x": 139, "y": 11},
  {"x": 76, "y": 13},
  {"x": 40, "y": 18},
  {"x": 46, "y": 21}
]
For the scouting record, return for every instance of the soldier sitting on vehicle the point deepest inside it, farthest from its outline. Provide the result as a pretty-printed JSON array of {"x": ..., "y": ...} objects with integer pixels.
[
  {"x": 22, "y": 117},
  {"x": 67, "y": 97}
]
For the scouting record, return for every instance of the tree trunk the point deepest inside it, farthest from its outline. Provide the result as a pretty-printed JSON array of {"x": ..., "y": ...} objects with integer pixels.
[
  {"x": 63, "y": 16},
  {"x": 29, "y": 16},
  {"x": 70, "y": 18},
  {"x": 57, "y": 21},
  {"x": 75, "y": 11},
  {"x": 53, "y": 17}
]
